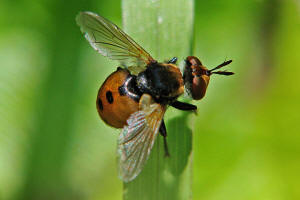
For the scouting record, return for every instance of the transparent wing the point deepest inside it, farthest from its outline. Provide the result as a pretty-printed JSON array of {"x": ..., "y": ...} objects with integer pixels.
[
  {"x": 136, "y": 140},
  {"x": 109, "y": 40}
]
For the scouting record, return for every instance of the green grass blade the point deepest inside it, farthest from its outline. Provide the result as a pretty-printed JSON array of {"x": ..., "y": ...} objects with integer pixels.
[{"x": 165, "y": 29}]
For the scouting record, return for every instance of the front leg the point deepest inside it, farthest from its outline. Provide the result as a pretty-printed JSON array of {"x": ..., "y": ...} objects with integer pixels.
[{"x": 184, "y": 106}]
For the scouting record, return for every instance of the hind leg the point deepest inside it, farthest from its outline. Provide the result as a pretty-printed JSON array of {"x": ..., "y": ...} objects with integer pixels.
[{"x": 163, "y": 132}]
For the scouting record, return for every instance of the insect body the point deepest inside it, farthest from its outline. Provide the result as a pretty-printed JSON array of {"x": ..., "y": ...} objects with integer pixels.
[{"x": 136, "y": 97}]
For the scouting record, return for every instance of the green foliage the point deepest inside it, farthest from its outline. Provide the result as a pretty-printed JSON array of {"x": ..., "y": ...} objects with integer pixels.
[{"x": 245, "y": 136}]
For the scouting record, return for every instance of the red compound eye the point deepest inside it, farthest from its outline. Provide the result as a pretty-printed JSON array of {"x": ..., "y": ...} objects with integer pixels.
[{"x": 196, "y": 78}]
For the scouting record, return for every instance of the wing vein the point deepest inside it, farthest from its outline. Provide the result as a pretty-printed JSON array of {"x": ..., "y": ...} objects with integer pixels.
[{"x": 109, "y": 40}]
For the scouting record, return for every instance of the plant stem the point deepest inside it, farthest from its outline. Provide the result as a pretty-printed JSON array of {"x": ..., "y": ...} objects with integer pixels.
[{"x": 165, "y": 29}]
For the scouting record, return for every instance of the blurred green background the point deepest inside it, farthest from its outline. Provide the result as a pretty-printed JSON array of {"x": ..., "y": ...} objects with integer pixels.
[{"x": 54, "y": 146}]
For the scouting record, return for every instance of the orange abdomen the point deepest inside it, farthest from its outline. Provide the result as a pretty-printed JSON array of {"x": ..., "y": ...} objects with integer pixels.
[{"x": 115, "y": 107}]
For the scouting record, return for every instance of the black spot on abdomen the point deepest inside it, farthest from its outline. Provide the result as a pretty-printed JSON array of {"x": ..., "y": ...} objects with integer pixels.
[
  {"x": 99, "y": 103},
  {"x": 109, "y": 97}
]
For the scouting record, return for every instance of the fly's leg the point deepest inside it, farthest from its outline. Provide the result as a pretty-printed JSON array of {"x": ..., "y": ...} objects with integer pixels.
[
  {"x": 163, "y": 132},
  {"x": 173, "y": 60},
  {"x": 184, "y": 106}
]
